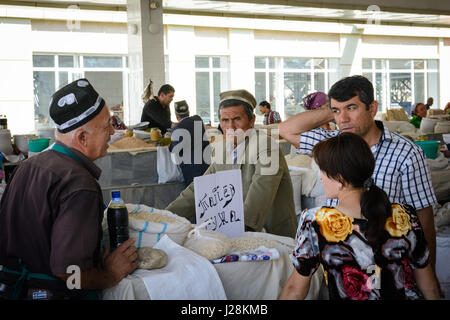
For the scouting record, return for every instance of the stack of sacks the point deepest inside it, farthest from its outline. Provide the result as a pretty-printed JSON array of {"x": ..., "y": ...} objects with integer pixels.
[
  {"x": 311, "y": 186},
  {"x": 396, "y": 114},
  {"x": 441, "y": 215}
]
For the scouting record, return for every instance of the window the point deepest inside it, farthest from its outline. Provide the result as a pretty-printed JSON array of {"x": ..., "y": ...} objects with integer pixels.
[
  {"x": 212, "y": 76},
  {"x": 50, "y": 72},
  {"x": 284, "y": 82},
  {"x": 402, "y": 82}
]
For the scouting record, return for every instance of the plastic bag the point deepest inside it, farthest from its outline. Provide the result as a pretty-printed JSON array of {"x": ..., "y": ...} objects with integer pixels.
[
  {"x": 207, "y": 243},
  {"x": 167, "y": 170}
]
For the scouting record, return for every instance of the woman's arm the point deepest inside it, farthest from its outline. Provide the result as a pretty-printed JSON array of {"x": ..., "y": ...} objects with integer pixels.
[
  {"x": 427, "y": 283},
  {"x": 296, "y": 287}
]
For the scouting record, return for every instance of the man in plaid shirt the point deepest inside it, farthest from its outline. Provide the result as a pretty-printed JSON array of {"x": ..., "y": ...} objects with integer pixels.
[
  {"x": 270, "y": 116},
  {"x": 400, "y": 170}
]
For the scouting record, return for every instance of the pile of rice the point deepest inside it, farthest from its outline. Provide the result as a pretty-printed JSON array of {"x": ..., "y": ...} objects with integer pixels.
[
  {"x": 152, "y": 217},
  {"x": 129, "y": 143},
  {"x": 249, "y": 243}
]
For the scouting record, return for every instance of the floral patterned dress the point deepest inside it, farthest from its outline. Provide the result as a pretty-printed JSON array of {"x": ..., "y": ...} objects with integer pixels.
[{"x": 352, "y": 269}]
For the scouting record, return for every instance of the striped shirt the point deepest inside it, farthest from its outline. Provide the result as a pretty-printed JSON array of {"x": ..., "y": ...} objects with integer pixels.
[
  {"x": 271, "y": 117},
  {"x": 400, "y": 166}
]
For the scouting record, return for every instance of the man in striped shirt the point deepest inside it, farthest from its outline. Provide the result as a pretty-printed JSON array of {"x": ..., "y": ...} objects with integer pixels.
[
  {"x": 401, "y": 170},
  {"x": 270, "y": 116}
]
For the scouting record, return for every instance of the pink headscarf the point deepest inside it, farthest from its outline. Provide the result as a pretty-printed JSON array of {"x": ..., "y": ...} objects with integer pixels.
[{"x": 314, "y": 100}]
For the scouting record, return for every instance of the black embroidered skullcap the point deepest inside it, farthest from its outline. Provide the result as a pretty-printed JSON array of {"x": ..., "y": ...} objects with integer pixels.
[
  {"x": 241, "y": 95},
  {"x": 74, "y": 105},
  {"x": 181, "y": 108}
]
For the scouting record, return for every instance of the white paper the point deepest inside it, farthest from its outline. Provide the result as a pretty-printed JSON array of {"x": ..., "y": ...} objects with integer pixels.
[{"x": 219, "y": 197}]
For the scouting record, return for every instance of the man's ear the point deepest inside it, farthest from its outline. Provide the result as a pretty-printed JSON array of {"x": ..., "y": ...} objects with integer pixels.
[
  {"x": 252, "y": 121},
  {"x": 80, "y": 137},
  {"x": 373, "y": 108}
]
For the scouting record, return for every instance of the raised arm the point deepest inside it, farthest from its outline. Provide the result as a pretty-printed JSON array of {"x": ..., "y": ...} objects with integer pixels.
[{"x": 292, "y": 128}]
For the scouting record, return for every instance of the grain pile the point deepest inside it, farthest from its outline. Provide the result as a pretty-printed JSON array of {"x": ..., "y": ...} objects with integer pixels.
[
  {"x": 129, "y": 143},
  {"x": 152, "y": 217},
  {"x": 247, "y": 243}
]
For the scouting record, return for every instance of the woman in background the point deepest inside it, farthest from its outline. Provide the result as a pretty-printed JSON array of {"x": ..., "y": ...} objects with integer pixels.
[
  {"x": 419, "y": 112},
  {"x": 370, "y": 249}
]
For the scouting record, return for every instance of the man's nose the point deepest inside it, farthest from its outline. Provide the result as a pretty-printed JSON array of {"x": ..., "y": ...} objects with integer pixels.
[{"x": 343, "y": 116}]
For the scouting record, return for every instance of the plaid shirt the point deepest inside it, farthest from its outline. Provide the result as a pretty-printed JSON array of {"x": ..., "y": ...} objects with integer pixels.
[
  {"x": 271, "y": 117},
  {"x": 400, "y": 166}
]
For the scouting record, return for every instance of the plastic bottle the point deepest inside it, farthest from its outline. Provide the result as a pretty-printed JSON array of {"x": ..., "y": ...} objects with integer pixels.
[{"x": 117, "y": 217}]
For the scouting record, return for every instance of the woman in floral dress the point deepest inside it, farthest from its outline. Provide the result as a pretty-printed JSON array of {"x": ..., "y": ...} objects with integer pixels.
[{"x": 370, "y": 249}]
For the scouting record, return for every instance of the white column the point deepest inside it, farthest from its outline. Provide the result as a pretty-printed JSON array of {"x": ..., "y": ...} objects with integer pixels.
[
  {"x": 351, "y": 59},
  {"x": 145, "y": 53},
  {"x": 16, "y": 82},
  {"x": 241, "y": 59},
  {"x": 181, "y": 52}
]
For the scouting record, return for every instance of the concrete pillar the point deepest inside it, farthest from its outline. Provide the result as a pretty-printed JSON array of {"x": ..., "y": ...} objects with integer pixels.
[
  {"x": 241, "y": 59},
  {"x": 181, "y": 65},
  {"x": 351, "y": 59},
  {"x": 145, "y": 52}
]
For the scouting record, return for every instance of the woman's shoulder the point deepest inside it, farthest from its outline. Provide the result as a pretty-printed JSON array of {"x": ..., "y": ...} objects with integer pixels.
[{"x": 317, "y": 213}]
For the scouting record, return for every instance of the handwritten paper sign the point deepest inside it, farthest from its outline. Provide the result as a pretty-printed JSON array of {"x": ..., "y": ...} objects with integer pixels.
[{"x": 219, "y": 197}]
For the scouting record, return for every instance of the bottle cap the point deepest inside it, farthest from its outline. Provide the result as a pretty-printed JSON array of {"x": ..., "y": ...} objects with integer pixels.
[{"x": 115, "y": 194}]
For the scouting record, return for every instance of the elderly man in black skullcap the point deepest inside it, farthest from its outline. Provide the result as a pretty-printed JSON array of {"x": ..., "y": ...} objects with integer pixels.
[{"x": 52, "y": 209}]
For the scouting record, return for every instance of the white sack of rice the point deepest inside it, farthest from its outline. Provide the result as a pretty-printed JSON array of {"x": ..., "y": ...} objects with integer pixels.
[{"x": 148, "y": 225}]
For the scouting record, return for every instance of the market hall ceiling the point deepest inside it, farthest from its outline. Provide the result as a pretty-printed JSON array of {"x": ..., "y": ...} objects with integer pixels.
[{"x": 411, "y": 12}]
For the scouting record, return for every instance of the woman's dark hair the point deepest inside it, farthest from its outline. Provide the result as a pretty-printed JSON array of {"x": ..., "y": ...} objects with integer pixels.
[
  {"x": 347, "y": 157},
  {"x": 350, "y": 87},
  {"x": 233, "y": 102}
]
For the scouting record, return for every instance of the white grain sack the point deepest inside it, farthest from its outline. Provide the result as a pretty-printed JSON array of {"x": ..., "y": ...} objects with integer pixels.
[{"x": 148, "y": 225}]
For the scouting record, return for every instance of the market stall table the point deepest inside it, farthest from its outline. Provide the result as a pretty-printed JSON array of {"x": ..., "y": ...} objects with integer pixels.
[{"x": 252, "y": 280}]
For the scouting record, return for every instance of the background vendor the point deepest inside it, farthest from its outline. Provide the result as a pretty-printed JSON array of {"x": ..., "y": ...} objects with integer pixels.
[{"x": 157, "y": 110}]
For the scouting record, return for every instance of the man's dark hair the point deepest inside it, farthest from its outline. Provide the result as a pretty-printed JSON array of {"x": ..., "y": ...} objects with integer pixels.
[
  {"x": 350, "y": 87},
  {"x": 265, "y": 104},
  {"x": 233, "y": 102},
  {"x": 166, "y": 89}
]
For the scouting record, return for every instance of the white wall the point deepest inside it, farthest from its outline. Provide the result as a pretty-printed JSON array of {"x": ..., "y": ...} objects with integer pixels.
[
  {"x": 96, "y": 38},
  {"x": 295, "y": 44},
  {"x": 399, "y": 47},
  {"x": 444, "y": 72},
  {"x": 16, "y": 75}
]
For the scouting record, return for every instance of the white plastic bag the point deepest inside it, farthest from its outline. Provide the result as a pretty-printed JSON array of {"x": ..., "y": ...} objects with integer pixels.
[
  {"x": 167, "y": 170},
  {"x": 207, "y": 243}
]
